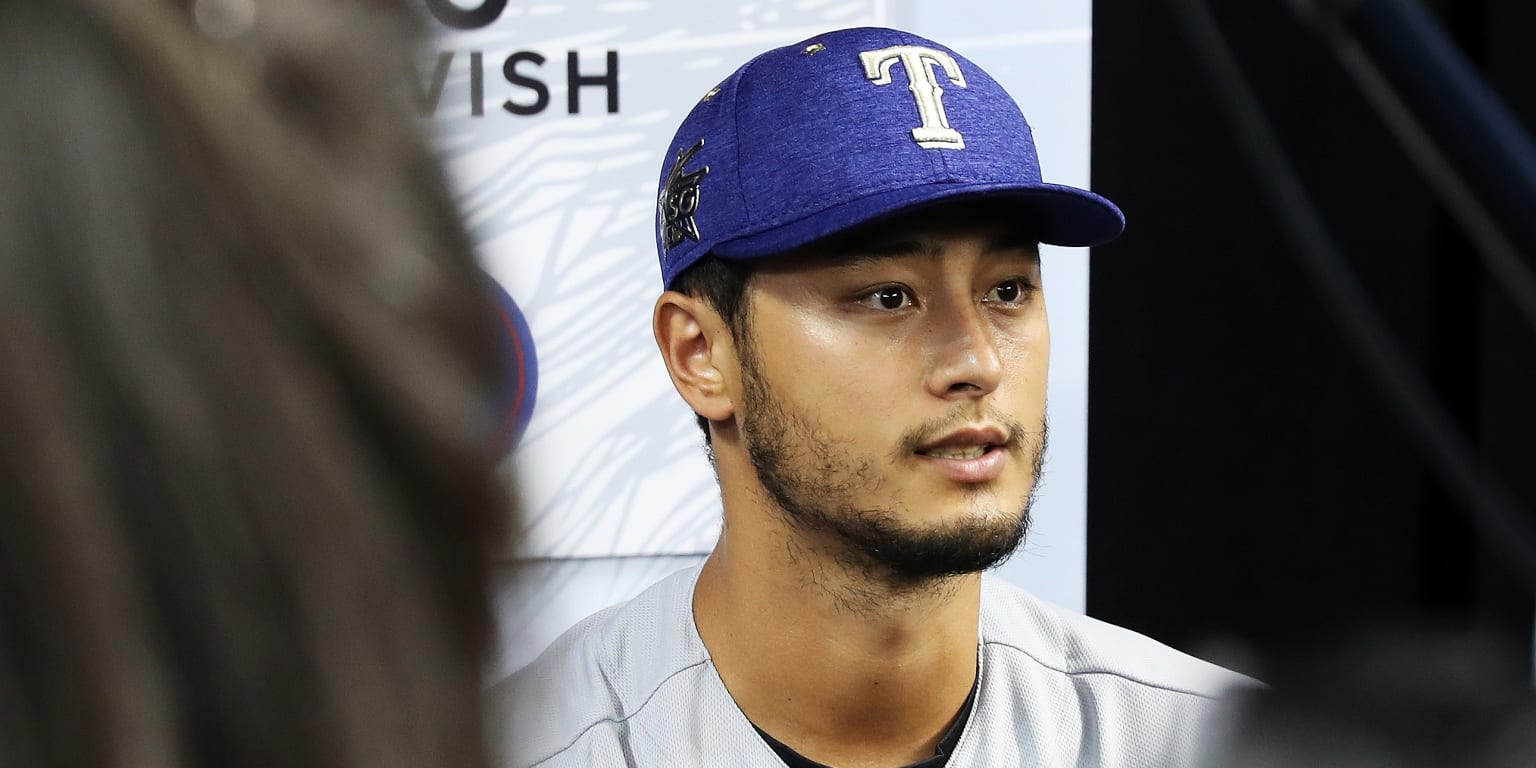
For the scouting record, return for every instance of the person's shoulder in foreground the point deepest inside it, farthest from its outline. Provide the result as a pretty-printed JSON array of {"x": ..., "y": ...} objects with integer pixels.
[
  {"x": 853, "y": 306},
  {"x": 634, "y": 685}
]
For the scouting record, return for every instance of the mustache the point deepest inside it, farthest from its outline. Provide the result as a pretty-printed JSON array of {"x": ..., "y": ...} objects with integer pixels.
[{"x": 929, "y": 431}]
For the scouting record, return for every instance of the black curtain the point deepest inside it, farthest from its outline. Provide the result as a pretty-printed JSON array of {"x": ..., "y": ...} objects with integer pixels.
[{"x": 1248, "y": 489}]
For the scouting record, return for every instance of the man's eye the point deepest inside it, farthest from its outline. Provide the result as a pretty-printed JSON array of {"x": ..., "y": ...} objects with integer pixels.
[
  {"x": 1009, "y": 291},
  {"x": 890, "y": 297}
]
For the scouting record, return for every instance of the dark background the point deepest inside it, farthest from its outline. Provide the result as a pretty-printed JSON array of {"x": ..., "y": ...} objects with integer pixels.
[{"x": 1248, "y": 489}]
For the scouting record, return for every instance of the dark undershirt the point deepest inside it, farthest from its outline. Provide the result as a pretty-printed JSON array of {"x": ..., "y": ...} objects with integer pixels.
[{"x": 941, "y": 754}]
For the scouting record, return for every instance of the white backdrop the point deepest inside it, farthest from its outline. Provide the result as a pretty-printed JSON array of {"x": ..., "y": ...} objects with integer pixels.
[{"x": 614, "y": 486}]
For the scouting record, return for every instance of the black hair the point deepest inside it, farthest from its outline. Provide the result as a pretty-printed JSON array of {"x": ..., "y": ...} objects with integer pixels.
[
  {"x": 723, "y": 285},
  {"x": 247, "y": 510}
]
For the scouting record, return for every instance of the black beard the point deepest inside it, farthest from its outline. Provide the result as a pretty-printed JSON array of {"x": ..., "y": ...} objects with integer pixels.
[{"x": 816, "y": 487}]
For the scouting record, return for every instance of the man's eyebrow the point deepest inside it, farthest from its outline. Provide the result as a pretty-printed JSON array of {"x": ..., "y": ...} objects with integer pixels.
[
  {"x": 1016, "y": 239},
  {"x": 858, "y": 250}
]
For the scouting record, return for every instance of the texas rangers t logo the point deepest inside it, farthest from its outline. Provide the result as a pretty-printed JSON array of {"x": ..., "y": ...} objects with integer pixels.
[{"x": 918, "y": 61}]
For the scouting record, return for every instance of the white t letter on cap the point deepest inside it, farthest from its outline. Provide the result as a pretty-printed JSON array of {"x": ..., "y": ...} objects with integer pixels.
[{"x": 918, "y": 61}]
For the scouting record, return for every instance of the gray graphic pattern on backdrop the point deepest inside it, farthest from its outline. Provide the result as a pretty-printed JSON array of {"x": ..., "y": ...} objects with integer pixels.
[{"x": 562, "y": 207}]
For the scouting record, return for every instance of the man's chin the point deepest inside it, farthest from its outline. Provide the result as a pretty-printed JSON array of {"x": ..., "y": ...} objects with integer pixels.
[{"x": 911, "y": 556}]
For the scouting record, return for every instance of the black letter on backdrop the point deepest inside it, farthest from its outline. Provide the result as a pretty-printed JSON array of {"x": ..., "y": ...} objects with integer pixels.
[
  {"x": 510, "y": 70},
  {"x": 476, "y": 85},
  {"x": 426, "y": 100},
  {"x": 467, "y": 18},
  {"x": 575, "y": 80}
]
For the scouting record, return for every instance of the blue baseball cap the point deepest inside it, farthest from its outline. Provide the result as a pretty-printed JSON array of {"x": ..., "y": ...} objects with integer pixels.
[{"x": 838, "y": 130}]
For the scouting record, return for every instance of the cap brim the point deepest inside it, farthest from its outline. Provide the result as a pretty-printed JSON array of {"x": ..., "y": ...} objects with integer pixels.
[{"x": 1060, "y": 215}]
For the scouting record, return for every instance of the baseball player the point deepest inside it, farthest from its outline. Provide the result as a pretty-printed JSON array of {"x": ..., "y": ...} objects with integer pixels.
[{"x": 848, "y": 230}]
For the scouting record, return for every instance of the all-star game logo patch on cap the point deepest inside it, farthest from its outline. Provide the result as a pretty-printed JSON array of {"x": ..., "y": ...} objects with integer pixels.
[{"x": 843, "y": 128}]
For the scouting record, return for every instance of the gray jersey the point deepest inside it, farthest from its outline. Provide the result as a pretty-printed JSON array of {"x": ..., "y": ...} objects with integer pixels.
[{"x": 633, "y": 685}]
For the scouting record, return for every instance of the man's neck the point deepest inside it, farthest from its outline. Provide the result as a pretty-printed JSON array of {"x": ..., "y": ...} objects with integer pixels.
[{"x": 844, "y": 669}]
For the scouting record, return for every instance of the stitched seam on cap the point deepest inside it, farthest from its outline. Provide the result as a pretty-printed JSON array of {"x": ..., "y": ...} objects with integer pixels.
[{"x": 741, "y": 189}]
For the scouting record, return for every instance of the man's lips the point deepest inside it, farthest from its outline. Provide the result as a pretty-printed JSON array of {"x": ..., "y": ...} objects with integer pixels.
[
  {"x": 965, "y": 443},
  {"x": 970, "y": 455}
]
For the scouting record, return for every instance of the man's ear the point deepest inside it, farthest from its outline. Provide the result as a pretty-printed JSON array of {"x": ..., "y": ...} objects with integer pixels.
[{"x": 697, "y": 346}]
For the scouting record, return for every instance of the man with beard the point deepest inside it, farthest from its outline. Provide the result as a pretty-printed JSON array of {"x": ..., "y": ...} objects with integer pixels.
[{"x": 848, "y": 230}]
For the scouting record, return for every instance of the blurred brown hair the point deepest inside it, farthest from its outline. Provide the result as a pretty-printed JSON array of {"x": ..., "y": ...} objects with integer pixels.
[{"x": 245, "y": 355}]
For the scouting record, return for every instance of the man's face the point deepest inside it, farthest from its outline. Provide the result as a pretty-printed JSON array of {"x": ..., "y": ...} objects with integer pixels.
[{"x": 894, "y": 391}]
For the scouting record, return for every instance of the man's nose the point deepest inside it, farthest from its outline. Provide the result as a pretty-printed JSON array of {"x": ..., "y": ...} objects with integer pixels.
[{"x": 966, "y": 361}]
